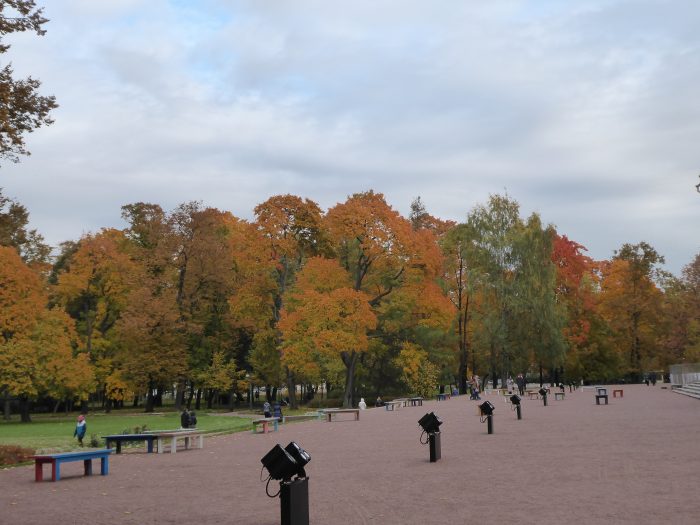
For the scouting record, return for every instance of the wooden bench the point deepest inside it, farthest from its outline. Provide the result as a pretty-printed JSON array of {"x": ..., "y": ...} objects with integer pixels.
[
  {"x": 121, "y": 438},
  {"x": 416, "y": 401},
  {"x": 56, "y": 459},
  {"x": 174, "y": 436},
  {"x": 443, "y": 397},
  {"x": 598, "y": 397},
  {"x": 392, "y": 405},
  {"x": 265, "y": 423},
  {"x": 558, "y": 395},
  {"x": 330, "y": 412},
  {"x": 618, "y": 391},
  {"x": 533, "y": 394},
  {"x": 403, "y": 400}
]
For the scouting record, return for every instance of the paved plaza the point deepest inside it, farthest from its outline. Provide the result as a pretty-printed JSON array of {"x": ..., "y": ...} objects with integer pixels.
[{"x": 636, "y": 461}]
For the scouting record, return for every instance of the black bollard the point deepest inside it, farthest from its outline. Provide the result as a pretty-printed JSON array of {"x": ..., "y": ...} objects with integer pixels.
[
  {"x": 544, "y": 399},
  {"x": 517, "y": 411},
  {"x": 489, "y": 424},
  {"x": 435, "y": 448},
  {"x": 294, "y": 501}
]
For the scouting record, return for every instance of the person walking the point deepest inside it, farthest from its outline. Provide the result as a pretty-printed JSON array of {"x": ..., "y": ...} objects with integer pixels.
[
  {"x": 362, "y": 405},
  {"x": 267, "y": 409},
  {"x": 80, "y": 429},
  {"x": 520, "y": 381}
]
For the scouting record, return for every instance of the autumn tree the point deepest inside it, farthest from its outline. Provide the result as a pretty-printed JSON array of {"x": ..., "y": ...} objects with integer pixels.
[
  {"x": 38, "y": 347},
  {"x": 93, "y": 287},
  {"x": 630, "y": 301},
  {"x": 324, "y": 317},
  {"x": 22, "y": 108},
  {"x": 29, "y": 244},
  {"x": 292, "y": 230}
]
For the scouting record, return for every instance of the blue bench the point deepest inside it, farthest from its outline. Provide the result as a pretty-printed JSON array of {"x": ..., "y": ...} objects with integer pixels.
[
  {"x": 56, "y": 459},
  {"x": 121, "y": 438}
]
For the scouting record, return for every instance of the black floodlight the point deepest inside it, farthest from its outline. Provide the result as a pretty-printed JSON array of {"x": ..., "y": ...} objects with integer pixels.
[
  {"x": 486, "y": 408},
  {"x": 280, "y": 463},
  {"x": 515, "y": 399},
  {"x": 543, "y": 391},
  {"x": 430, "y": 422},
  {"x": 301, "y": 457}
]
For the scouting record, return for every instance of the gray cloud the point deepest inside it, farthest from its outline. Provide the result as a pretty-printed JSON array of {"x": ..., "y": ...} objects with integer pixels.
[{"x": 585, "y": 111}]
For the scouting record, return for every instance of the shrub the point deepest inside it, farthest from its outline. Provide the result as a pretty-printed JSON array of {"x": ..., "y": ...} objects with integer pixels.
[
  {"x": 95, "y": 441},
  {"x": 12, "y": 454}
]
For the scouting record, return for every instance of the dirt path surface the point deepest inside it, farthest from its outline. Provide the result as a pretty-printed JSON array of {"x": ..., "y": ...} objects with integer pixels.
[{"x": 634, "y": 461}]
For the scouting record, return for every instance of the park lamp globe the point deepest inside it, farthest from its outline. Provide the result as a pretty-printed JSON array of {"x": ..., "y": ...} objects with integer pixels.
[{"x": 430, "y": 423}]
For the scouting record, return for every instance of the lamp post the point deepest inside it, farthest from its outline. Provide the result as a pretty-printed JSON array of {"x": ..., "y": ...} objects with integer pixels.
[
  {"x": 486, "y": 408},
  {"x": 431, "y": 426},
  {"x": 283, "y": 464},
  {"x": 515, "y": 401}
]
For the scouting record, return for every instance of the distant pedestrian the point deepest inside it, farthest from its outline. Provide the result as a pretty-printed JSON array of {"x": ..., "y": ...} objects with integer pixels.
[
  {"x": 362, "y": 405},
  {"x": 379, "y": 402},
  {"x": 193, "y": 419},
  {"x": 80, "y": 429},
  {"x": 520, "y": 381},
  {"x": 267, "y": 409}
]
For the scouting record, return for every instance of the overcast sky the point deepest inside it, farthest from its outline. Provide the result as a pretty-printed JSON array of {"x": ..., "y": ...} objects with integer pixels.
[{"x": 585, "y": 111}]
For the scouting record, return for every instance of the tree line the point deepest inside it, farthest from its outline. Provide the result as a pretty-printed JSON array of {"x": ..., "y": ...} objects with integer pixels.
[{"x": 360, "y": 298}]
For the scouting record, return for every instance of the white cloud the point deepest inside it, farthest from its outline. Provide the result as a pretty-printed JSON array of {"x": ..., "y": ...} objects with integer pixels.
[{"x": 584, "y": 111}]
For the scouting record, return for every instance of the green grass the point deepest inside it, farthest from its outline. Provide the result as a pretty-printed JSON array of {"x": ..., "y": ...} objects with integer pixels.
[{"x": 53, "y": 433}]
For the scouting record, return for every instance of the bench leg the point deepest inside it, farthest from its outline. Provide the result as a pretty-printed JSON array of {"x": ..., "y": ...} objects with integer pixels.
[
  {"x": 38, "y": 471},
  {"x": 160, "y": 446},
  {"x": 119, "y": 447},
  {"x": 55, "y": 470},
  {"x": 104, "y": 465},
  {"x": 149, "y": 446},
  {"x": 201, "y": 441},
  {"x": 276, "y": 426},
  {"x": 187, "y": 443},
  {"x": 173, "y": 445},
  {"x": 87, "y": 464}
]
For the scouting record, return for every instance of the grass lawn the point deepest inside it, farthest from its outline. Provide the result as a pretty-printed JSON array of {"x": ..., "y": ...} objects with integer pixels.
[{"x": 54, "y": 433}]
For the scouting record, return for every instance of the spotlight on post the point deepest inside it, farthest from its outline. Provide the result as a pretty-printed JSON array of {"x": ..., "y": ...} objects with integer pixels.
[
  {"x": 486, "y": 408},
  {"x": 283, "y": 464},
  {"x": 543, "y": 393},
  {"x": 515, "y": 402},
  {"x": 431, "y": 426}
]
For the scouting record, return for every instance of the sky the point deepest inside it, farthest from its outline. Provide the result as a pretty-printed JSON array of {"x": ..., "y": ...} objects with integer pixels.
[{"x": 584, "y": 111}]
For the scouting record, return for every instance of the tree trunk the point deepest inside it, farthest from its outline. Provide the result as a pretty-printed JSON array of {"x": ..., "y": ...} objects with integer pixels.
[
  {"x": 6, "y": 406},
  {"x": 190, "y": 397},
  {"x": 180, "y": 396},
  {"x": 350, "y": 361},
  {"x": 198, "y": 399},
  {"x": 150, "y": 398},
  {"x": 541, "y": 376},
  {"x": 24, "y": 409},
  {"x": 291, "y": 388},
  {"x": 108, "y": 405}
]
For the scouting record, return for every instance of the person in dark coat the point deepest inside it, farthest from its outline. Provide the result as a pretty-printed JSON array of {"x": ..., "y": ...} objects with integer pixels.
[
  {"x": 185, "y": 419},
  {"x": 193, "y": 419},
  {"x": 520, "y": 381}
]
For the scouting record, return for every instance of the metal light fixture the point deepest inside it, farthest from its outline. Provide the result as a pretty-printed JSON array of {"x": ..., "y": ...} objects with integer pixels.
[
  {"x": 431, "y": 426},
  {"x": 515, "y": 402},
  {"x": 430, "y": 422},
  {"x": 283, "y": 464},
  {"x": 486, "y": 408}
]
